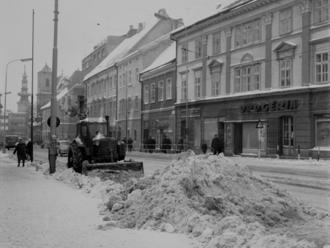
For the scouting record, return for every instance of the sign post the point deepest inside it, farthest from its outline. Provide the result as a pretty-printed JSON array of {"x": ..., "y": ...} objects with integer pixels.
[{"x": 259, "y": 126}]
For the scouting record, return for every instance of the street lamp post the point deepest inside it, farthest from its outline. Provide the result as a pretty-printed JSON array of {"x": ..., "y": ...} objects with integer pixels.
[
  {"x": 52, "y": 150},
  {"x": 5, "y": 101},
  {"x": 32, "y": 69}
]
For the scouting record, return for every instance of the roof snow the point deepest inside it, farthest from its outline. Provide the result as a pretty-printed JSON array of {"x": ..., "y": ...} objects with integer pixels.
[
  {"x": 121, "y": 50},
  {"x": 165, "y": 57}
]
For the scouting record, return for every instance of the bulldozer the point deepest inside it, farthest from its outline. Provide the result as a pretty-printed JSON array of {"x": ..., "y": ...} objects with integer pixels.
[{"x": 94, "y": 148}]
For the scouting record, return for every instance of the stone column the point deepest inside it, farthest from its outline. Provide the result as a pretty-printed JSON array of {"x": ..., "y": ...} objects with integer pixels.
[{"x": 228, "y": 58}]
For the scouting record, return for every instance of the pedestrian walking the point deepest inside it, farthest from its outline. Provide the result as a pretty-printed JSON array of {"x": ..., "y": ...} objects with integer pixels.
[
  {"x": 216, "y": 145},
  {"x": 20, "y": 149},
  {"x": 29, "y": 150},
  {"x": 130, "y": 144}
]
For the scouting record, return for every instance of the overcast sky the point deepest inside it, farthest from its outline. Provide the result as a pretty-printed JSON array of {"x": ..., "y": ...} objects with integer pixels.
[{"x": 82, "y": 24}]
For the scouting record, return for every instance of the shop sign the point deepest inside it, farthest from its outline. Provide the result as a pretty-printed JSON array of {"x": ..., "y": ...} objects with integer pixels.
[
  {"x": 192, "y": 112},
  {"x": 274, "y": 106}
]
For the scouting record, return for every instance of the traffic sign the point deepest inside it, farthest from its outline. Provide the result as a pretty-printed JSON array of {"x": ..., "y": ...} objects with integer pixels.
[{"x": 57, "y": 121}]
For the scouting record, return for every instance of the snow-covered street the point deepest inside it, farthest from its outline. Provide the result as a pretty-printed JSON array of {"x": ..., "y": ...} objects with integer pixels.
[{"x": 36, "y": 211}]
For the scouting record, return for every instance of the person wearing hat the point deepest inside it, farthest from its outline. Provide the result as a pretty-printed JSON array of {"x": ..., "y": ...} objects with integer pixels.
[{"x": 20, "y": 149}]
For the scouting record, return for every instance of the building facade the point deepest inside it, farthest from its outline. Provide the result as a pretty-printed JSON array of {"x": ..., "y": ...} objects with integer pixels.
[
  {"x": 158, "y": 93},
  {"x": 113, "y": 87},
  {"x": 257, "y": 74}
]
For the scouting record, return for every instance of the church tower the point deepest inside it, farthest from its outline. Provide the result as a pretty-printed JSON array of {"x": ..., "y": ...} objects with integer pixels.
[
  {"x": 23, "y": 105},
  {"x": 44, "y": 87}
]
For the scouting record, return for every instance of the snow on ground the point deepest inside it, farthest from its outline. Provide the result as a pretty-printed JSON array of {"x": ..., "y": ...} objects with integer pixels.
[
  {"x": 210, "y": 198},
  {"x": 37, "y": 212}
]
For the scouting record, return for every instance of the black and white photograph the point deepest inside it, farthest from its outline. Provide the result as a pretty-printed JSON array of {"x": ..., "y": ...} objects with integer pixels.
[{"x": 168, "y": 124}]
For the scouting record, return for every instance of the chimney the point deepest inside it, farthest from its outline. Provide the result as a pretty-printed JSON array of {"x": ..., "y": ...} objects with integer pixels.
[
  {"x": 132, "y": 31},
  {"x": 162, "y": 14},
  {"x": 140, "y": 27}
]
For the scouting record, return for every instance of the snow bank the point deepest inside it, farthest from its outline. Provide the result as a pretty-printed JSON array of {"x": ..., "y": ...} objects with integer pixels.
[{"x": 216, "y": 201}]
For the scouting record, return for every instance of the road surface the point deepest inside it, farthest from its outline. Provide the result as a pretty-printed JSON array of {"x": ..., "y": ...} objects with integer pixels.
[{"x": 39, "y": 212}]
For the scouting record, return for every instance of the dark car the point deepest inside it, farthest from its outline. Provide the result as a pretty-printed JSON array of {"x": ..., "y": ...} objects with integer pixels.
[{"x": 11, "y": 141}]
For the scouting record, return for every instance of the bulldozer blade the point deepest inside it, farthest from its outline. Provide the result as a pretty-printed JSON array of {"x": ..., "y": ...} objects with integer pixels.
[{"x": 114, "y": 166}]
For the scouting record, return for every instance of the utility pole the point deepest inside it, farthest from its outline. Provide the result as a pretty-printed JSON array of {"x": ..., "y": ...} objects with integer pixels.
[
  {"x": 52, "y": 150},
  {"x": 32, "y": 57}
]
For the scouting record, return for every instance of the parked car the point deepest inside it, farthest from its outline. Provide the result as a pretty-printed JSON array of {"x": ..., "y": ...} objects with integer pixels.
[
  {"x": 11, "y": 141},
  {"x": 63, "y": 147}
]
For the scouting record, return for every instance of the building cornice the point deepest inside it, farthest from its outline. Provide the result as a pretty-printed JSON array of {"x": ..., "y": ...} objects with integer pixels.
[{"x": 219, "y": 17}]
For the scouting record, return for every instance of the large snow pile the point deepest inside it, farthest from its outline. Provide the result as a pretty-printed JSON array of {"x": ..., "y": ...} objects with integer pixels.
[{"x": 213, "y": 199}]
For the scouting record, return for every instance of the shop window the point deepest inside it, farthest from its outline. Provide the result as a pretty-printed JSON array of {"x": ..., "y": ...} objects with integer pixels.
[
  {"x": 322, "y": 67},
  {"x": 288, "y": 133},
  {"x": 210, "y": 129},
  {"x": 321, "y": 11},
  {"x": 216, "y": 43},
  {"x": 286, "y": 72},
  {"x": 161, "y": 91},
  {"x": 168, "y": 88},
  {"x": 198, "y": 79},
  {"x": 146, "y": 94},
  {"x": 285, "y": 24},
  {"x": 323, "y": 132}
]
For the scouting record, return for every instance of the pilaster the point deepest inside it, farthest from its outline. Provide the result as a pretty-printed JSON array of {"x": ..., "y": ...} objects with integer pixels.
[
  {"x": 228, "y": 58},
  {"x": 267, "y": 21},
  {"x": 204, "y": 44},
  {"x": 305, "y": 38}
]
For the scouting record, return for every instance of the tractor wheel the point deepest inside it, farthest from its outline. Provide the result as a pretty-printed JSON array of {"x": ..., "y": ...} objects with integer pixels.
[
  {"x": 77, "y": 159},
  {"x": 70, "y": 159}
]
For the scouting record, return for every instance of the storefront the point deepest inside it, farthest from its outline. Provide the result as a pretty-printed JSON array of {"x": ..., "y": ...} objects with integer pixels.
[
  {"x": 158, "y": 125},
  {"x": 285, "y": 123}
]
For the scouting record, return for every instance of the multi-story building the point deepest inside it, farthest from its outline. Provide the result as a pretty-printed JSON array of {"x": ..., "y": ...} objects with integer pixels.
[
  {"x": 257, "y": 74},
  {"x": 113, "y": 87},
  {"x": 158, "y": 91}
]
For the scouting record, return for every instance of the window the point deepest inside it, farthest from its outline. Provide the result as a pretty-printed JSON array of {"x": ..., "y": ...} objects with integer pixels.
[
  {"x": 216, "y": 42},
  {"x": 215, "y": 81},
  {"x": 129, "y": 105},
  {"x": 153, "y": 93},
  {"x": 47, "y": 83},
  {"x": 247, "y": 78},
  {"x": 110, "y": 83},
  {"x": 137, "y": 74},
  {"x": 184, "y": 87},
  {"x": 288, "y": 134},
  {"x": 129, "y": 77},
  {"x": 146, "y": 94},
  {"x": 247, "y": 33},
  {"x": 285, "y": 24},
  {"x": 323, "y": 133},
  {"x": 161, "y": 91},
  {"x": 285, "y": 72},
  {"x": 137, "y": 104},
  {"x": 198, "y": 79},
  {"x": 322, "y": 67},
  {"x": 168, "y": 88},
  {"x": 125, "y": 79},
  {"x": 198, "y": 48},
  {"x": 321, "y": 11},
  {"x": 184, "y": 53}
]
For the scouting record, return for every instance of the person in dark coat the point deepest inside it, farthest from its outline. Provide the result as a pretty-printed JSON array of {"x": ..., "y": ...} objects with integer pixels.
[
  {"x": 166, "y": 144},
  {"x": 180, "y": 145},
  {"x": 130, "y": 144},
  {"x": 29, "y": 150},
  {"x": 204, "y": 148},
  {"x": 216, "y": 145},
  {"x": 20, "y": 149}
]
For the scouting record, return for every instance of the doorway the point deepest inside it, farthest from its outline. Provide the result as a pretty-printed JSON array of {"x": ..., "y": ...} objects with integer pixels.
[{"x": 238, "y": 140}]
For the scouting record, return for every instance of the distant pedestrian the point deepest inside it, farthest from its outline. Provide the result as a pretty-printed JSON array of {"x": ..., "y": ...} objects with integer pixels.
[
  {"x": 204, "y": 148},
  {"x": 130, "y": 144},
  {"x": 29, "y": 149},
  {"x": 180, "y": 145},
  {"x": 20, "y": 149},
  {"x": 216, "y": 145}
]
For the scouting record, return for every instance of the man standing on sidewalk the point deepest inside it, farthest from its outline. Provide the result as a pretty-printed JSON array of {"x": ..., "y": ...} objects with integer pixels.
[{"x": 20, "y": 149}]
